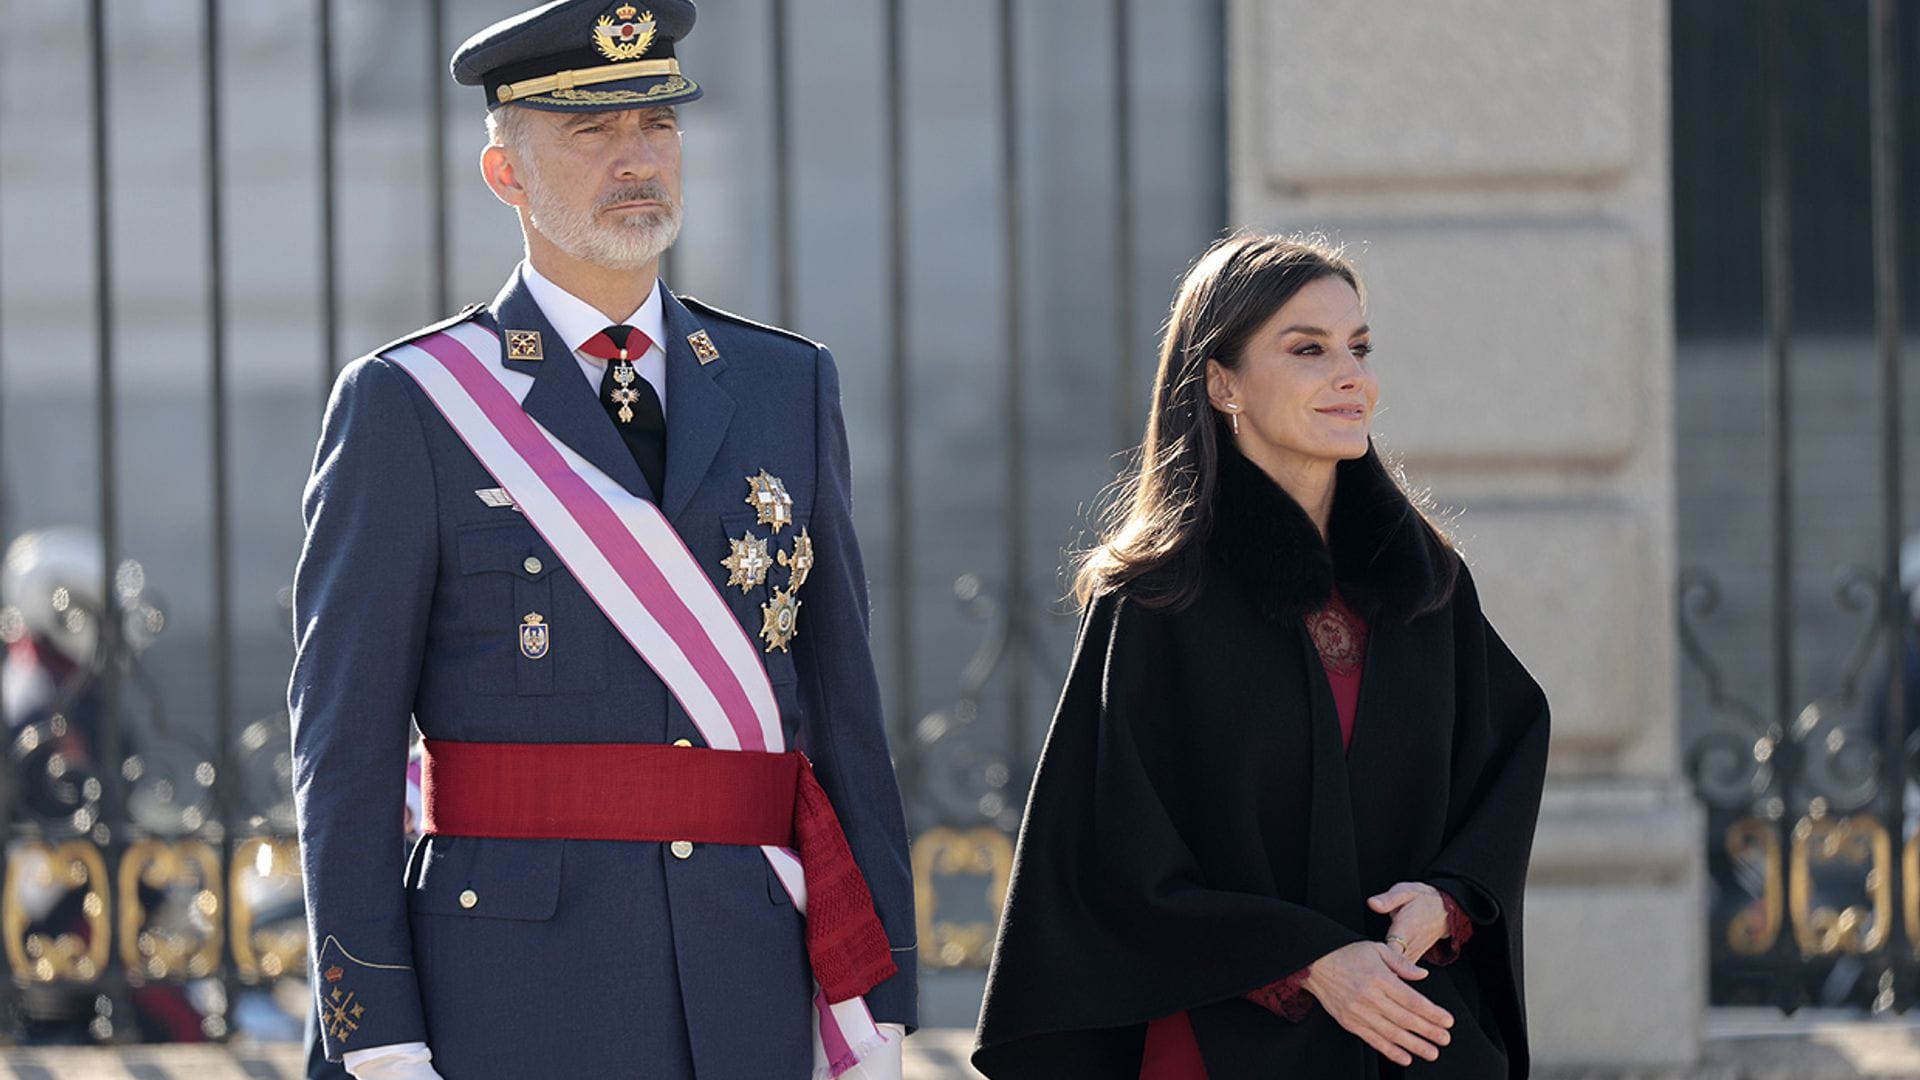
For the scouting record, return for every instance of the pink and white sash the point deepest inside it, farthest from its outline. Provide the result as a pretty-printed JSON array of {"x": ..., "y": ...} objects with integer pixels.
[{"x": 628, "y": 558}]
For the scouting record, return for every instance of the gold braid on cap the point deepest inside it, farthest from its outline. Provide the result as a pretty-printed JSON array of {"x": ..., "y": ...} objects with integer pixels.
[{"x": 567, "y": 80}]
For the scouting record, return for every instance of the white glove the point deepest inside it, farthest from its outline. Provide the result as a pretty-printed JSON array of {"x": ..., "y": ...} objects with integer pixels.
[
  {"x": 883, "y": 1063},
  {"x": 395, "y": 1061}
]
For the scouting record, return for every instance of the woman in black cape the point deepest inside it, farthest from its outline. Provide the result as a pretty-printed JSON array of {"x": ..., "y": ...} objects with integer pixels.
[{"x": 1282, "y": 821}]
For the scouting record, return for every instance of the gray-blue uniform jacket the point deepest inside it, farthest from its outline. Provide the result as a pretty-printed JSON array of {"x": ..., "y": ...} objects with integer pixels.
[{"x": 574, "y": 958}]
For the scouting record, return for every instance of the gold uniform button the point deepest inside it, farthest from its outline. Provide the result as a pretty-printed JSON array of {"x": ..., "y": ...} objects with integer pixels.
[
  {"x": 469, "y": 898},
  {"x": 682, "y": 849},
  {"x": 532, "y": 564},
  {"x": 683, "y": 742}
]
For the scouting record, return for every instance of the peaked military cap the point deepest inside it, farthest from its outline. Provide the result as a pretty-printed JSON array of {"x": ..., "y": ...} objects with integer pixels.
[{"x": 582, "y": 55}]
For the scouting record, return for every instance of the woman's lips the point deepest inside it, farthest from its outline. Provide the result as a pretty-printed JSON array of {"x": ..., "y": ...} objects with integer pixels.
[{"x": 1344, "y": 412}]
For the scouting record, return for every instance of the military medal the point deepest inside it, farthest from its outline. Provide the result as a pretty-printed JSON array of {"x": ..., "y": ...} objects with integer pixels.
[
  {"x": 801, "y": 561},
  {"x": 770, "y": 500},
  {"x": 624, "y": 395},
  {"x": 780, "y": 617},
  {"x": 533, "y": 636},
  {"x": 748, "y": 565}
]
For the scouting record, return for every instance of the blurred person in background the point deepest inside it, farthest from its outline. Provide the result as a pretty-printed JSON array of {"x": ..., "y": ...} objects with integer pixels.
[{"x": 1282, "y": 821}]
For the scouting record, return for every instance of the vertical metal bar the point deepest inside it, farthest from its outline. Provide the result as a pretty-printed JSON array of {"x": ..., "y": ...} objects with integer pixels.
[
  {"x": 437, "y": 148},
  {"x": 1883, "y": 72},
  {"x": 106, "y": 447},
  {"x": 221, "y": 524},
  {"x": 1013, "y": 406},
  {"x": 1127, "y": 421},
  {"x": 900, "y": 476},
  {"x": 782, "y": 167},
  {"x": 228, "y": 773},
  {"x": 329, "y": 246},
  {"x": 107, "y": 832},
  {"x": 1777, "y": 305}
]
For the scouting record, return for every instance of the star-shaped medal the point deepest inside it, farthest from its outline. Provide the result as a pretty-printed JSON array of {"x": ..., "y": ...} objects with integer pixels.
[
  {"x": 748, "y": 565},
  {"x": 801, "y": 561},
  {"x": 781, "y": 617},
  {"x": 770, "y": 500},
  {"x": 624, "y": 395}
]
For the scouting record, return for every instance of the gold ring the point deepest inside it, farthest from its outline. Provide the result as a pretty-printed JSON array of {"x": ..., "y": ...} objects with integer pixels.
[{"x": 1391, "y": 938}]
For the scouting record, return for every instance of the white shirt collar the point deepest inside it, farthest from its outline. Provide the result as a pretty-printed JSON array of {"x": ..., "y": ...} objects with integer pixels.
[{"x": 576, "y": 321}]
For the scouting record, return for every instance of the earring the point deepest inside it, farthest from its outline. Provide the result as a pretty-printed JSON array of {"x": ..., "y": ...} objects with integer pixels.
[{"x": 1233, "y": 418}]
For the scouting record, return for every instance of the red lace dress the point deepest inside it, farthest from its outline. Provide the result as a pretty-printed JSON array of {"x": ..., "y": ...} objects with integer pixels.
[{"x": 1171, "y": 1053}]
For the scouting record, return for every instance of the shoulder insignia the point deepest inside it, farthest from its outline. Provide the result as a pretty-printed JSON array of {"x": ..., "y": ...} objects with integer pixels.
[
  {"x": 710, "y": 311},
  {"x": 464, "y": 315}
]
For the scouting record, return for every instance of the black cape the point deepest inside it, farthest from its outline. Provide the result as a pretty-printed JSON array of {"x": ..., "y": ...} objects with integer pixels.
[{"x": 1195, "y": 830}]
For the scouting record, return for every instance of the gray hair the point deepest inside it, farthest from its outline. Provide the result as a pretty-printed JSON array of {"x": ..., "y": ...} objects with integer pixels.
[{"x": 507, "y": 126}]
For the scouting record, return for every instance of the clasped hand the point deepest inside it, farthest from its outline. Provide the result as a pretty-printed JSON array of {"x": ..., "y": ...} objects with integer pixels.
[{"x": 1364, "y": 986}]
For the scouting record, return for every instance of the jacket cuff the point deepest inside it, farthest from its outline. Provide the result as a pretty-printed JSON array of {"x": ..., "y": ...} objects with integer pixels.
[
  {"x": 1459, "y": 930},
  {"x": 364, "y": 1003},
  {"x": 1288, "y": 998},
  {"x": 896, "y": 1000}
]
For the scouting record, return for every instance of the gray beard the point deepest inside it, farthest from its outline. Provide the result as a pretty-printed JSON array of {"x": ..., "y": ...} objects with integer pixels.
[{"x": 629, "y": 245}]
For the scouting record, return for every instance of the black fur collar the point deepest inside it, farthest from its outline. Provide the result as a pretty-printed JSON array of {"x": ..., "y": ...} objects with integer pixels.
[{"x": 1387, "y": 560}]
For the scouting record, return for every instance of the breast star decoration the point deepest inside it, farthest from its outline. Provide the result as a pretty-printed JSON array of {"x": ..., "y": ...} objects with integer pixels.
[
  {"x": 800, "y": 563},
  {"x": 768, "y": 496},
  {"x": 750, "y": 562},
  {"x": 748, "y": 565}
]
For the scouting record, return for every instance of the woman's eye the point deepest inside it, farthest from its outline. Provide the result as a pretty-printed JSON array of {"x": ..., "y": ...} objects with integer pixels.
[
  {"x": 1307, "y": 350},
  {"x": 1364, "y": 349}
]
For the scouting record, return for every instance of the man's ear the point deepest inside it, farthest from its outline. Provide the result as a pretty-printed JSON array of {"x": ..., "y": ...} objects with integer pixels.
[{"x": 497, "y": 169}]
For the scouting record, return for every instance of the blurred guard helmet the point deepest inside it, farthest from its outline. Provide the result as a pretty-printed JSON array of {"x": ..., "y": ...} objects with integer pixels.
[{"x": 50, "y": 582}]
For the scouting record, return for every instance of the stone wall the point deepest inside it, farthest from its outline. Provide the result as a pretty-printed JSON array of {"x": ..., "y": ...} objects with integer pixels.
[{"x": 1501, "y": 172}]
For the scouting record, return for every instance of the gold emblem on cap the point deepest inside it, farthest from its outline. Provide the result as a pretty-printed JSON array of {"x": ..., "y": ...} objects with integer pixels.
[
  {"x": 533, "y": 636},
  {"x": 703, "y": 349},
  {"x": 779, "y": 619},
  {"x": 800, "y": 563},
  {"x": 768, "y": 497},
  {"x": 524, "y": 345},
  {"x": 627, "y": 39},
  {"x": 748, "y": 565}
]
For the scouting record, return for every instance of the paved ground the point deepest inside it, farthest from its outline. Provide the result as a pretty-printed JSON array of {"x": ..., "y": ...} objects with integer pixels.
[{"x": 1739, "y": 1047}]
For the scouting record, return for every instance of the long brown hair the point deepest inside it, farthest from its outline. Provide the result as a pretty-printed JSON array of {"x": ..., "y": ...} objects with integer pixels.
[{"x": 1152, "y": 540}]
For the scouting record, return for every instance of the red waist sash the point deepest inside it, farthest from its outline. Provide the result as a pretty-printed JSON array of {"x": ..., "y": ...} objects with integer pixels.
[{"x": 649, "y": 792}]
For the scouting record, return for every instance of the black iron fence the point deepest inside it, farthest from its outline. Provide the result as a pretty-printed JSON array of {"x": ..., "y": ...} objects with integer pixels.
[
  {"x": 151, "y": 884},
  {"x": 1804, "y": 746}
]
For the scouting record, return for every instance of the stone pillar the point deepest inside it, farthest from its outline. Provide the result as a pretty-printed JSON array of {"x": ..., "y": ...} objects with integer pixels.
[{"x": 1501, "y": 172}]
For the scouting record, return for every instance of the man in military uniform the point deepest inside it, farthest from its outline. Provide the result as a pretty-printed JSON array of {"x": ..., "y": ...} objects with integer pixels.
[{"x": 572, "y": 535}]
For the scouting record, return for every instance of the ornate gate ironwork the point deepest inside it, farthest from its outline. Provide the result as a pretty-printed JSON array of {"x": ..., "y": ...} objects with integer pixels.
[{"x": 1813, "y": 800}]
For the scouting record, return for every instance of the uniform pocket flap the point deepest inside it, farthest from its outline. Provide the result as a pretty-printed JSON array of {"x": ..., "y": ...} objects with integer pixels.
[
  {"x": 488, "y": 878},
  {"x": 510, "y": 549}
]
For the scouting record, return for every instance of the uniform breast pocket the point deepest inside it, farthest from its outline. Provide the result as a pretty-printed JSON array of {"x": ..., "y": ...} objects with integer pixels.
[
  {"x": 763, "y": 578},
  {"x": 551, "y": 639}
]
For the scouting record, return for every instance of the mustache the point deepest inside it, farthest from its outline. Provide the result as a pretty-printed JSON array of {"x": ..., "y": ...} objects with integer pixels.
[{"x": 647, "y": 192}]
